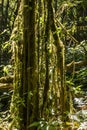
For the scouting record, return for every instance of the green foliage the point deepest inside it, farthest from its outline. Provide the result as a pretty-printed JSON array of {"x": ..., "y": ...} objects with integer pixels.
[
  {"x": 44, "y": 125},
  {"x": 30, "y": 94},
  {"x": 3, "y": 32},
  {"x": 15, "y": 106},
  {"x": 77, "y": 89},
  {"x": 7, "y": 70},
  {"x": 81, "y": 77},
  {"x": 6, "y": 45},
  {"x": 69, "y": 82},
  {"x": 76, "y": 53}
]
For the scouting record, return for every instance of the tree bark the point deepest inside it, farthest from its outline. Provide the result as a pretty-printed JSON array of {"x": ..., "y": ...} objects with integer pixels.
[
  {"x": 60, "y": 63},
  {"x": 30, "y": 88}
]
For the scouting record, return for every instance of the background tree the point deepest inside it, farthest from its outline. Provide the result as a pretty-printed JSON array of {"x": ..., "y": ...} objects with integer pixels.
[{"x": 8, "y": 13}]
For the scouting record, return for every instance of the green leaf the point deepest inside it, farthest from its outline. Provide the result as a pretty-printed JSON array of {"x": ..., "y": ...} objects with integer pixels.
[
  {"x": 30, "y": 94},
  {"x": 52, "y": 128},
  {"x": 5, "y": 69},
  {"x": 45, "y": 127},
  {"x": 6, "y": 45},
  {"x": 39, "y": 127},
  {"x": 34, "y": 124}
]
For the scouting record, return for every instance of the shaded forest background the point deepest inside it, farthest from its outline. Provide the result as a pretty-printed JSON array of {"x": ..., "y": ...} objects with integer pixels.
[{"x": 43, "y": 63}]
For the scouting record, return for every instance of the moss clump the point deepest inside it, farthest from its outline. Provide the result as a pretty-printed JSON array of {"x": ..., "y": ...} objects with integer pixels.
[{"x": 6, "y": 79}]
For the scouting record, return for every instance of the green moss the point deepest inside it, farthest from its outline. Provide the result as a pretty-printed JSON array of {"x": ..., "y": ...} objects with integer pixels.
[{"x": 6, "y": 79}]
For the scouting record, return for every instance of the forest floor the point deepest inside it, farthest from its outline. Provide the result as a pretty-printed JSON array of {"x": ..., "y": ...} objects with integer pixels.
[
  {"x": 78, "y": 120},
  {"x": 6, "y": 90}
]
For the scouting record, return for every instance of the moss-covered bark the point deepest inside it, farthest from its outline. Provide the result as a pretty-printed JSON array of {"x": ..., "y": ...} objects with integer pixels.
[
  {"x": 24, "y": 106},
  {"x": 30, "y": 88},
  {"x": 60, "y": 62}
]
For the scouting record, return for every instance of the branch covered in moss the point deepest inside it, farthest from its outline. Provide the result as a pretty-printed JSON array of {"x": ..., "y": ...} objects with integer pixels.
[
  {"x": 79, "y": 64},
  {"x": 6, "y": 79}
]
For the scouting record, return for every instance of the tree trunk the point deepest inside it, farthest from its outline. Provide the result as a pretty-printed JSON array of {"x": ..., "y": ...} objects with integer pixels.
[
  {"x": 60, "y": 63},
  {"x": 30, "y": 88},
  {"x": 25, "y": 96}
]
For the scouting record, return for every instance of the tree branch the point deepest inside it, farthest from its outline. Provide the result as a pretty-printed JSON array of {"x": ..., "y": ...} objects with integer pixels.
[
  {"x": 65, "y": 30},
  {"x": 79, "y": 64}
]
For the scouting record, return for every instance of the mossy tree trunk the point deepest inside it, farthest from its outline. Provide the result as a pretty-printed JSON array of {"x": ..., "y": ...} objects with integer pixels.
[
  {"x": 25, "y": 105},
  {"x": 30, "y": 88},
  {"x": 60, "y": 62},
  {"x": 46, "y": 85},
  {"x": 26, "y": 93}
]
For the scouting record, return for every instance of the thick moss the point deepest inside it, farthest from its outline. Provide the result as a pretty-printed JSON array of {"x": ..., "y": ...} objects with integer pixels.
[{"x": 6, "y": 79}]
